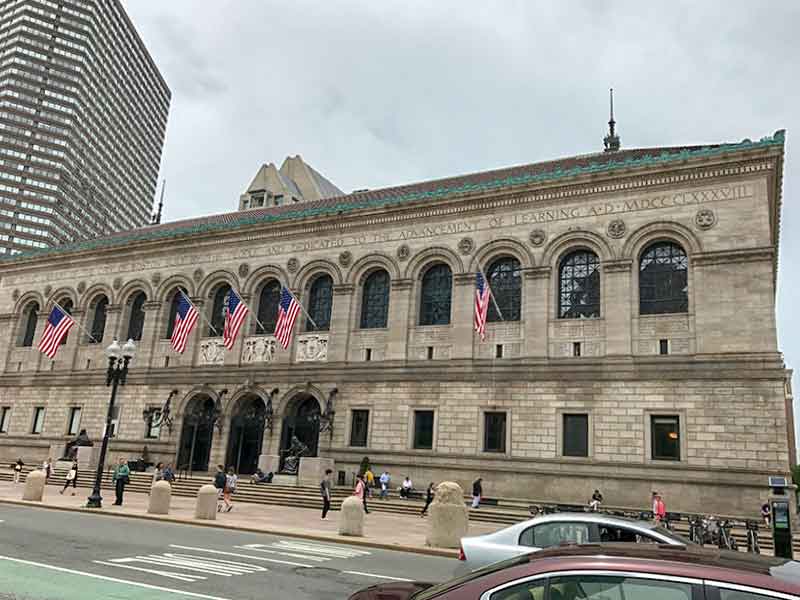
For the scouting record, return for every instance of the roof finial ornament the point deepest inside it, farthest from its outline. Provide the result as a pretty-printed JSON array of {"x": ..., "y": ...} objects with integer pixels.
[
  {"x": 157, "y": 215},
  {"x": 611, "y": 141}
]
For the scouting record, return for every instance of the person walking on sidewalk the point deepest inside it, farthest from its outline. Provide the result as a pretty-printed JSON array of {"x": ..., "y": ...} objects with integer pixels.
[
  {"x": 230, "y": 488},
  {"x": 325, "y": 491},
  {"x": 220, "y": 480},
  {"x": 121, "y": 478},
  {"x": 369, "y": 479},
  {"x": 47, "y": 467},
  {"x": 428, "y": 499},
  {"x": 361, "y": 492},
  {"x": 385, "y": 480},
  {"x": 659, "y": 508},
  {"x": 72, "y": 477},
  {"x": 18, "y": 470},
  {"x": 477, "y": 492}
]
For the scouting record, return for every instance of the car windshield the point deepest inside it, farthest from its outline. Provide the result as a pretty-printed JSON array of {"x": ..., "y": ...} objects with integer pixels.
[
  {"x": 434, "y": 591},
  {"x": 671, "y": 534}
]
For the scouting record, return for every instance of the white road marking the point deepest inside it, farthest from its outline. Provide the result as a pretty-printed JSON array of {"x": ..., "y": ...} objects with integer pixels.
[
  {"x": 261, "y": 548},
  {"x": 119, "y": 563},
  {"x": 113, "y": 579},
  {"x": 322, "y": 549},
  {"x": 273, "y": 560},
  {"x": 189, "y": 564},
  {"x": 376, "y": 575}
]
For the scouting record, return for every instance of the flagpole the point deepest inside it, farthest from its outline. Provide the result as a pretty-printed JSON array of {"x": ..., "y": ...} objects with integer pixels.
[
  {"x": 62, "y": 309},
  {"x": 260, "y": 324},
  {"x": 199, "y": 312},
  {"x": 300, "y": 304},
  {"x": 491, "y": 295}
]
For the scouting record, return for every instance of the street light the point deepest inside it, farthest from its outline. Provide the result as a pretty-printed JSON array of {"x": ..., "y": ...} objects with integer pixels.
[{"x": 118, "y": 360}]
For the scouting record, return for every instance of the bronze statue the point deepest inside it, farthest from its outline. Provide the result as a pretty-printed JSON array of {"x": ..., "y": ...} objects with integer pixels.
[
  {"x": 292, "y": 461},
  {"x": 71, "y": 450}
]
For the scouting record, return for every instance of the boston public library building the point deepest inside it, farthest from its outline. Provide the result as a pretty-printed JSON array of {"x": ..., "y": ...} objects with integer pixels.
[{"x": 632, "y": 346}]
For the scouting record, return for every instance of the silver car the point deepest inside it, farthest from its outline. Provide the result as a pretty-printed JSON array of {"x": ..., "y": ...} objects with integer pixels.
[{"x": 559, "y": 528}]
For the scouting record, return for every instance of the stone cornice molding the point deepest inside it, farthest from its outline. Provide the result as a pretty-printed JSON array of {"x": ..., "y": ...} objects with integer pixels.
[
  {"x": 720, "y": 257},
  {"x": 464, "y": 279},
  {"x": 617, "y": 266},
  {"x": 343, "y": 289},
  {"x": 542, "y": 272},
  {"x": 402, "y": 284}
]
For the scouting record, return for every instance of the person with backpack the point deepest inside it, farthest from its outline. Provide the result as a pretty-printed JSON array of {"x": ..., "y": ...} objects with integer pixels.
[
  {"x": 72, "y": 477},
  {"x": 121, "y": 478},
  {"x": 325, "y": 491},
  {"x": 428, "y": 499},
  {"x": 231, "y": 480},
  {"x": 18, "y": 470},
  {"x": 219, "y": 482}
]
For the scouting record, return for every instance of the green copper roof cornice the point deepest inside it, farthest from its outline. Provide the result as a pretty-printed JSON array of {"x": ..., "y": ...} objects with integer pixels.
[{"x": 351, "y": 202}]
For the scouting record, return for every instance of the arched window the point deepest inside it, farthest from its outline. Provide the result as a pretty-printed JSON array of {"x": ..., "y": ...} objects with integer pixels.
[
  {"x": 375, "y": 301},
  {"x": 100, "y": 305},
  {"x": 663, "y": 279},
  {"x": 30, "y": 316},
  {"x": 437, "y": 294},
  {"x": 175, "y": 298},
  {"x": 217, "y": 317},
  {"x": 504, "y": 277},
  {"x": 136, "y": 316},
  {"x": 320, "y": 302},
  {"x": 67, "y": 305},
  {"x": 579, "y": 285},
  {"x": 268, "y": 301}
]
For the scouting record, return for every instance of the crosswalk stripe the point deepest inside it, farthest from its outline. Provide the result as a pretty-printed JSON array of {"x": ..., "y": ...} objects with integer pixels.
[
  {"x": 118, "y": 562},
  {"x": 260, "y": 548},
  {"x": 322, "y": 549},
  {"x": 264, "y": 558},
  {"x": 187, "y": 566}
]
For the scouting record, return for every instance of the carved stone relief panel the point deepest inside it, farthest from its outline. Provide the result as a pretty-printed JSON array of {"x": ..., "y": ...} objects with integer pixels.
[
  {"x": 212, "y": 352},
  {"x": 312, "y": 347},
  {"x": 259, "y": 349}
]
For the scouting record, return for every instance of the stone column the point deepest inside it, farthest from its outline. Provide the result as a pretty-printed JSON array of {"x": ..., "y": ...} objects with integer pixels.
[
  {"x": 462, "y": 315},
  {"x": 193, "y": 343},
  {"x": 74, "y": 339},
  {"x": 149, "y": 331},
  {"x": 113, "y": 317},
  {"x": 234, "y": 356},
  {"x": 616, "y": 304},
  {"x": 537, "y": 310},
  {"x": 9, "y": 341},
  {"x": 340, "y": 322},
  {"x": 398, "y": 322}
]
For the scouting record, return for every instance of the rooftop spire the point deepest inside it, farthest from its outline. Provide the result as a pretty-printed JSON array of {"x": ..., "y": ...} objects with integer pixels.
[
  {"x": 611, "y": 141},
  {"x": 157, "y": 214}
]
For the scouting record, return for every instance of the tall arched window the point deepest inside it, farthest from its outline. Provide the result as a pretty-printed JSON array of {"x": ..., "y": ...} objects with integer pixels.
[
  {"x": 375, "y": 301},
  {"x": 504, "y": 277},
  {"x": 436, "y": 296},
  {"x": 136, "y": 316},
  {"x": 175, "y": 298},
  {"x": 663, "y": 279},
  {"x": 268, "y": 301},
  {"x": 217, "y": 317},
  {"x": 67, "y": 305},
  {"x": 320, "y": 302},
  {"x": 579, "y": 285},
  {"x": 99, "y": 306},
  {"x": 30, "y": 317}
]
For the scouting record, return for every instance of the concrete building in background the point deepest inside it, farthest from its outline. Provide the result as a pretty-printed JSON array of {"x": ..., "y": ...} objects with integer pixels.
[
  {"x": 83, "y": 111},
  {"x": 294, "y": 182},
  {"x": 634, "y": 349}
]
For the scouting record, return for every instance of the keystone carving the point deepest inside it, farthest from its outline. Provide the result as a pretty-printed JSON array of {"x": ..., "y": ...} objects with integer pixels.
[
  {"x": 197, "y": 275},
  {"x": 466, "y": 245},
  {"x": 403, "y": 252},
  {"x": 616, "y": 229},
  {"x": 293, "y": 265},
  {"x": 244, "y": 270},
  {"x": 345, "y": 258},
  {"x": 538, "y": 237},
  {"x": 705, "y": 218}
]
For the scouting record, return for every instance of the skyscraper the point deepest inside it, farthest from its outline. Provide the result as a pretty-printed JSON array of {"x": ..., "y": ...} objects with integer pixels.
[{"x": 83, "y": 111}]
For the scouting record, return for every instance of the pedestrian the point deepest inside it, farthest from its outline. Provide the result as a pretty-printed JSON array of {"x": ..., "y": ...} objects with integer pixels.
[
  {"x": 369, "y": 479},
  {"x": 18, "y": 470},
  {"x": 219, "y": 482},
  {"x": 659, "y": 508},
  {"x": 596, "y": 501},
  {"x": 230, "y": 488},
  {"x": 168, "y": 474},
  {"x": 385, "y": 480},
  {"x": 766, "y": 514},
  {"x": 158, "y": 473},
  {"x": 428, "y": 499},
  {"x": 47, "y": 467},
  {"x": 477, "y": 492},
  {"x": 260, "y": 477},
  {"x": 72, "y": 477},
  {"x": 361, "y": 492},
  {"x": 121, "y": 478},
  {"x": 405, "y": 489},
  {"x": 325, "y": 491}
]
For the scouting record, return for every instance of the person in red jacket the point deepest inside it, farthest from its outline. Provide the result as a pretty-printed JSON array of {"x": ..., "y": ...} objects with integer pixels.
[{"x": 659, "y": 508}]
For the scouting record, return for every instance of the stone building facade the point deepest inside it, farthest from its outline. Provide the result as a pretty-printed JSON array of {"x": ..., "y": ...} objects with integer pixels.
[{"x": 633, "y": 346}]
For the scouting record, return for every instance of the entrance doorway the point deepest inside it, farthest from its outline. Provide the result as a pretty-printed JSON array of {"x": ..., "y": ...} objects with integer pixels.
[
  {"x": 247, "y": 435},
  {"x": 303, "y": 422},
  {"x": 197, "y": 434}
]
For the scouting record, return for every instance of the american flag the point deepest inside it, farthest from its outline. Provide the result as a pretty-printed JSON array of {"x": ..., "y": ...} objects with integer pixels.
[
  {"x": 481, "y": 304},
  {"x": 58, "y": 325},
  {"x": 185, "y": 320},
  {"x": 287, "y": 314},
  {"x": 235, "y": 312}
]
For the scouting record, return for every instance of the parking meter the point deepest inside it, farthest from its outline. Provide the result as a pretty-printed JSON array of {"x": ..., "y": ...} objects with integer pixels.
[{"x": 781, "y": 518}]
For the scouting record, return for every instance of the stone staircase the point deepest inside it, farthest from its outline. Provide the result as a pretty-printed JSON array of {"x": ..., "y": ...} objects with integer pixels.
[{"x": 498, "y": 511}]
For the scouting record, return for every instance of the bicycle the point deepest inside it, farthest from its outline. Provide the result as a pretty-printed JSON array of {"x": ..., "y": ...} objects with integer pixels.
[
  {"x": 725, "y": 540},
  {"x": 752, "y": 537}
]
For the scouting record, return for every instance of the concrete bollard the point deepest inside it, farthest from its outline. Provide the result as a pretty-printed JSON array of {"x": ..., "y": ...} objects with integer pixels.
[
  {"x": 206, "y": 507},
  {"x": 160, "y": 495},
  {"x": 34, "y": 486},
  {"x": 449, "y": 517},
  {"x": 351, "y": 517}
]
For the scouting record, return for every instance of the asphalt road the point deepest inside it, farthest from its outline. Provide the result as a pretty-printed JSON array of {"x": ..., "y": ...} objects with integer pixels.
[{"x": 56, "y": 555}]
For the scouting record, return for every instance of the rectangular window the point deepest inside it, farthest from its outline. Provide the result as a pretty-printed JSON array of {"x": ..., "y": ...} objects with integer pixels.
[
  {"x": 368, "y": 354},
  {"x": 38, "y": 419},
  {"x": 359, "y": 426},
  {"x": 5, "y": 417},
  {"x": 494, "y": 432},
  {"x": 152, "y": 430},
  {"x": 74, "y": 422},
  {"x": 663, "y": 346},
  {"x": 576, "y": 435},
  {"x": 423, "y": 429},
  {"x": 665, "y": 437},
  {"x": 576, "y": 348},
  {"x": 498, "y": 351},
  {"x": 430, "y": 352}
]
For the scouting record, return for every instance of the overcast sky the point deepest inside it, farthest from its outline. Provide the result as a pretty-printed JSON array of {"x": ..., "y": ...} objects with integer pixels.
[{"x": 379, "y": 93}]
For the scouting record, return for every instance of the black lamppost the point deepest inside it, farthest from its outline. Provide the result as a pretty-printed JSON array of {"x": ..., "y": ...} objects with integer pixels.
[{"x": 118, "y": 360}]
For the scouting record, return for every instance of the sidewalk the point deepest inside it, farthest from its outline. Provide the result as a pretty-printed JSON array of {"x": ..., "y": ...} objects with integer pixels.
[{"x": 382, "y": 530}]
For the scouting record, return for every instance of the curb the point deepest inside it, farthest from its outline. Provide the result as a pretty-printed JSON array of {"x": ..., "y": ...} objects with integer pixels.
[{"x": 353, "y": 541}]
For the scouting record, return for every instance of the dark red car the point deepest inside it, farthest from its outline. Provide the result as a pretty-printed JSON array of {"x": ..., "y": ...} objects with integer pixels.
[{"x": 614, "y": 572}]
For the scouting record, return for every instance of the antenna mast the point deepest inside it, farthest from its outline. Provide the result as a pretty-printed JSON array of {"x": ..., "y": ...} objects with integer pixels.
[{"x": 611, "y": 141}]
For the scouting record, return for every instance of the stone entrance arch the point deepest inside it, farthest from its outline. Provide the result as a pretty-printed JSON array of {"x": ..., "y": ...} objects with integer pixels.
[
  {"x": 197, "y": 434},
  {"x": 246, "y": 434},
  {"x": 301, "y": 419}
]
